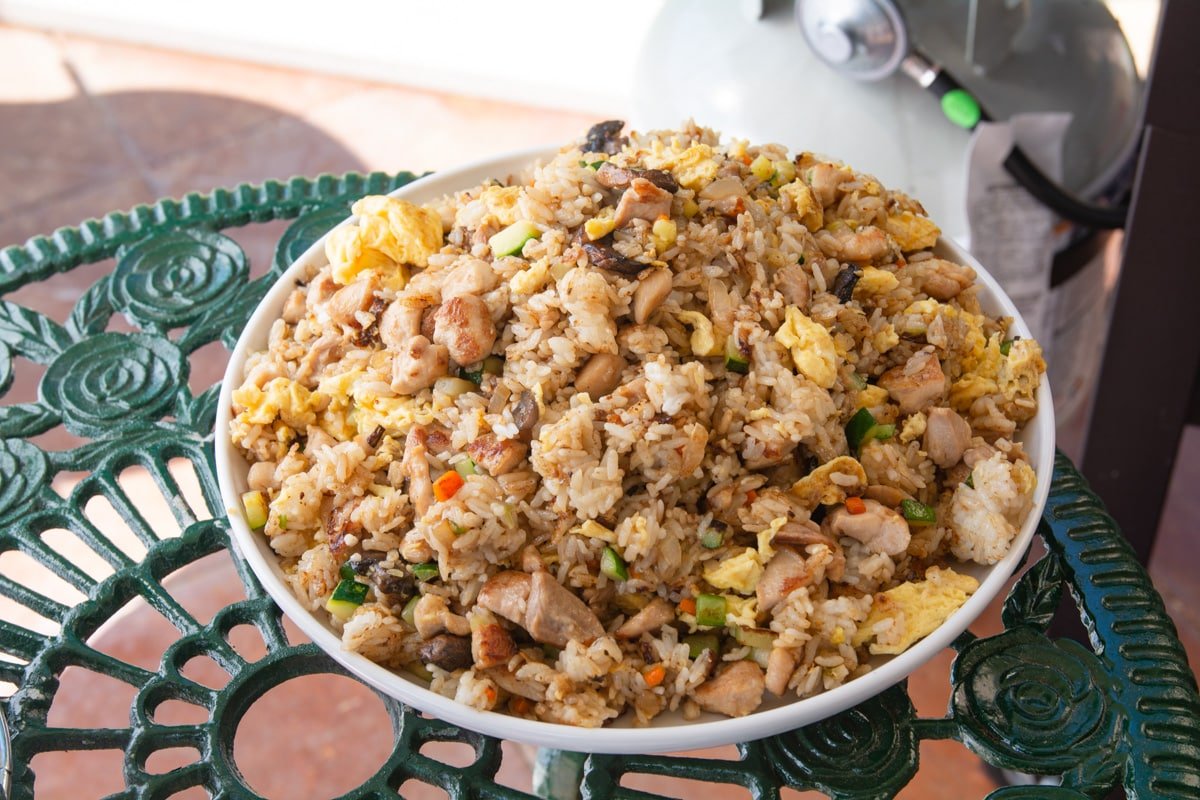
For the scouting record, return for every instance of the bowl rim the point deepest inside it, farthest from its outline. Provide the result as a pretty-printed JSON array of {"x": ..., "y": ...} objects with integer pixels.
[{"x": 654, "y": 738}]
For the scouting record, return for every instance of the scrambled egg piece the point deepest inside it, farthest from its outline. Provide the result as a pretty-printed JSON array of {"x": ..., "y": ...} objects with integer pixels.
[
  {"x": 395, "y": 414},
  {"x": 349, "y": 257},
  {"x": 279, "y": 398},
  {"x": 704, "y": 339},
  {"x": 912, "y": 232},
  {"x": 740, "y": 573},
  {"x": 336, "y": 419},
  {"x": 876, "y": 281},
  {"x": 871, "y": 397},
  {"x": 501, "y": 202},
  {"x": 405, "y": 233},
  {"x": 531, "y": 279},
  {"x": 694, "y": 168},
  {"x": 885, "y": 338},
  {"x": 922, "y": 313},
  {"x": 807, "y": 207},
  {"x": 594, "y": 530},
  {"x": 811, "y": 345},
  {"x": 765, "y": 551},
  {"x": 817, "y": 488},
  {"x": 914, "y": 428},
  {"x": 916, "y": 609},
  {"x": 741, "y": 611},
  {"x": 600, "y": 225},
  {"x": 1021, "y": 372}
]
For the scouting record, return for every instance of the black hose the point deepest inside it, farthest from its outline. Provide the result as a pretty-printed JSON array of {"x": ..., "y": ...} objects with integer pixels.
[{"x": 1058, "y": 199}]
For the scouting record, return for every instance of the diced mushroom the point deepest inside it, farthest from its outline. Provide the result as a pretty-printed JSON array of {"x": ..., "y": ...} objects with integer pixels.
[
  {"x": 601, "y": 255},
  {"x": 880, "y": 528},
  {"x": 369, "y": 335},
  {"x": 507, "y": 594},
  {"x": 610, "y": 176},
  {"x": 916, "y": 385},
  {"x": 792, "y": 283},
  {"x": 416, "y": 468},
  {"x": 525, "y": 414},
  {"x": 418, "y": 364},
  {"x": 341, "y": 531},
  {"x": 650, "y": 294},
  {"x": 401, "y": 321},
  {"x": 431, "y": 616},
  {"x": 844, "y": 283},
  {"x": 464, "y": 325},
  {"x": 600, "y": 375},
  {"x": 780, "y": 665},
  {"x": 735, "y": 691},
  {"x": 294, "y": 308},
  {"x": 346, "y": 302},
  {"x": 474, "y": 277},
  {"x": 555, "y": 616},
  {"x": 497, "y": 456},
  {"x": 642, "y": 200},
  {"x": 605, "y": 137},
  {"x": 446, "y": 651},
  {"x": 658, "y": 613},
  {"x": 946, "y": 436},
  {"x": 785, "y": 572},
  {"x": 491, "y": 645}
]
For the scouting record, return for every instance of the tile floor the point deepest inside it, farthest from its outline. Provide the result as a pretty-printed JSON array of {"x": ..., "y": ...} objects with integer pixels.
[{"x": 89, "y": 126}]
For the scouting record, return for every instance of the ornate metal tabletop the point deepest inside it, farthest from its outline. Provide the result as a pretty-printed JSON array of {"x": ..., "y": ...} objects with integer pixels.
[{"x": 1123, "y": 712}]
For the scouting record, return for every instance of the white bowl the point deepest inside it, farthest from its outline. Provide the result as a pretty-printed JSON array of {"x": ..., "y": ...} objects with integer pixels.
[{"x": 668, "y": 731}]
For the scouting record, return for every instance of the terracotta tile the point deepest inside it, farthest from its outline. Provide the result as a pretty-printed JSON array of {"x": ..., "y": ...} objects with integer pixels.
[
  {"x": 36, "y": 57},
  {"x": 170, "y": 102},
  {"x": 95, "y": 197}
]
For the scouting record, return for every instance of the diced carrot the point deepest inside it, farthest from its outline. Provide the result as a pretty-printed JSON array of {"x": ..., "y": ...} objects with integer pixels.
[
  {"x": 490, "y": 693},
  {"x": 855, "y": 505},
  {"x": 447, "y": 485},
  {"x": 520, "y": 705},
  {"x": 654, "y": 676},
  {"x": 751, "y": 496},
  {"x": 687, "y": 605}
]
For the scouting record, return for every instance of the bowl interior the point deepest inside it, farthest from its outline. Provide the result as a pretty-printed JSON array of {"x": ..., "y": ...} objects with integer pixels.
[{"x": 668, "y": 731}]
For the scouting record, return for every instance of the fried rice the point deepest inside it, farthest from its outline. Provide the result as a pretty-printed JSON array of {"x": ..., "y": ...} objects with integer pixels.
[{"x": 660, "y": 423}]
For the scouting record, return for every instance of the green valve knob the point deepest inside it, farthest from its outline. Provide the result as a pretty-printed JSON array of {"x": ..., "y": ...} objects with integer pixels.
[{"x": 961, "y": 108}]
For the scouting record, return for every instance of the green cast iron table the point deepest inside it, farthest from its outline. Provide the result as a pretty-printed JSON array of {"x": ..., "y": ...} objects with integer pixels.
[{"x": 1123, "y": 712}]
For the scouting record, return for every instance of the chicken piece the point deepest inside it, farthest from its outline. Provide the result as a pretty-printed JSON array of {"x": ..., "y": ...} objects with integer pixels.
[
  {"x": 940, "y": 279},
  {"x": 658, "y": 613},
  {"x": 880, "y": 528},
  {"x": 918, "y": 384},
  {"x": 642, "y": 200},
  {"x": 946, "y": 436},
  {"x": 888, "y": 495},
  {"x": 531, "y": 561},
  {"x": 401, "y": 321},
  {"x": 867, "y": 245},
  {"x": 784, "y": 573},
  {"x": 262, "y": 476},
  {"x": 320, "y": 289},
  {"x": 328, "y": 348},
  {"x": 824, "y": 179},
  {"x": 472, "y": 278},
  {"x": 650, "y": 294},
  {"x": 602, "y": 255},
  {"x": 555, "y": 616},
  {"x": 346, "y": 302},
  {"x": 600, "y": 375},
  {"x": 497, "y": 456},
  {"x": 418, "y": 365},
  {"x": 507, "y": 594},
  {"x": 980, "y": 452},
  {"x": 491, "y": 645},
  {"x": 294, "y": 308},
  {"x": 432, "y": 616},
  {"x": 415, "y": 549},
  {"x": 792, "y": 283},
  {"x": 780, "y": 665},
  {"x": 464, "y": 325},
  {"x": 802, "y": 533},
  {"x": 727, "y": 195},
  {"x": 416, "y": 467},
  {"x": 735, "y": 691},
  {"x": 446, "y": 651}
]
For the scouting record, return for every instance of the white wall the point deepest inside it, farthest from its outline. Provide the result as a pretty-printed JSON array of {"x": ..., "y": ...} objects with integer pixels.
[{"x": 554, "y": 53}]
